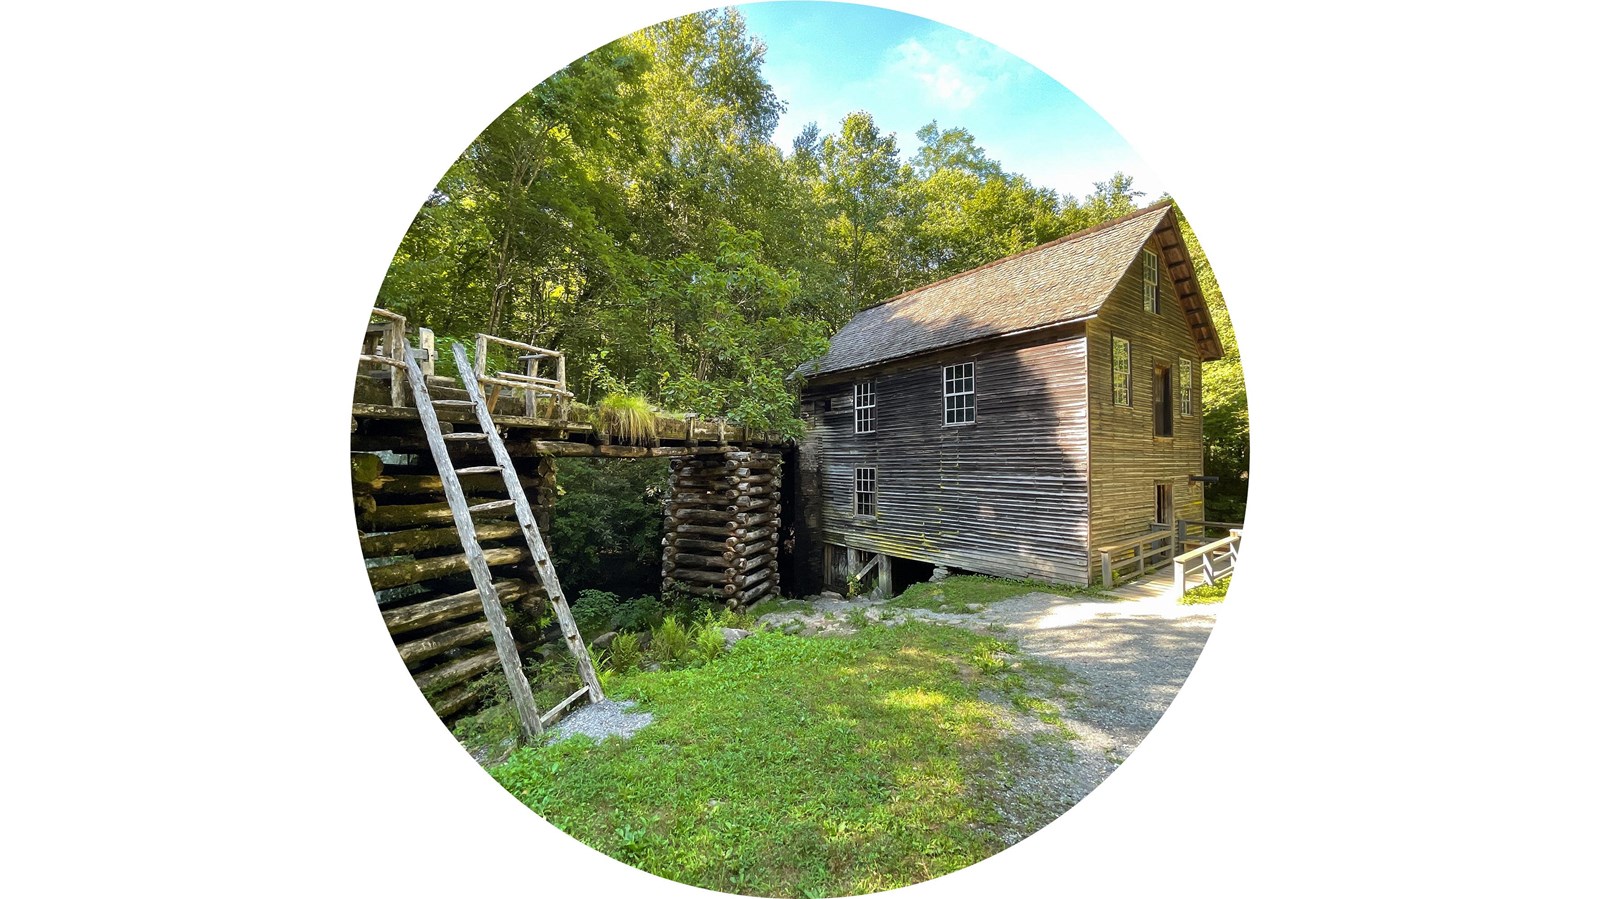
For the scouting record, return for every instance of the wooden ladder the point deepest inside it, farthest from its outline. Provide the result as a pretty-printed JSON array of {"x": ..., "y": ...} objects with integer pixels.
[{"x": 531, "y": 722}]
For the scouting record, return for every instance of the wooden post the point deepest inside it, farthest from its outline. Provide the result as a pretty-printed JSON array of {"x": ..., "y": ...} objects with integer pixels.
[
  {"x": 395, "y": 347},
  {"x": 481, "y": 358},
  {"x": 530, "y": 396},
  {"x": 426, "y": 344},
  {"x": 564, "y": 399}
]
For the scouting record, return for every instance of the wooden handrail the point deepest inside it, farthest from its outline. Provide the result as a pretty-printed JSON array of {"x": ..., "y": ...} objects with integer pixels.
[
  {"x": 1214, "y": 545},
  {"x": 1227, "y": 549},
  {"x": 1129, "y": 544},
  {"x": 1225, "y": 525},
  {"x": 1109, "y": 567},
  {"x": 394, "y": 348},
  {"x": 529, "y": 382}
]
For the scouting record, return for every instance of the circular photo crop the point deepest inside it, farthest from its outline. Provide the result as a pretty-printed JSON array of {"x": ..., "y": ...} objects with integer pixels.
[{"x": 799, "y": 450}]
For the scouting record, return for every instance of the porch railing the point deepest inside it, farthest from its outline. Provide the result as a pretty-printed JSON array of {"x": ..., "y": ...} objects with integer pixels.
[
  {"x": 1137, "y": 556},
  {"x": 1214, "y": 561}
]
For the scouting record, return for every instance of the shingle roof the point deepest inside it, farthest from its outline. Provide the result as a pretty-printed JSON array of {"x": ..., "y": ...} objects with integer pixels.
[{"x": 1061, "y": 281}]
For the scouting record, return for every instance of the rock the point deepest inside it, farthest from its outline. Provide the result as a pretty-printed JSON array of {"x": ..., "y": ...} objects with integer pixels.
[
  {"x": 939, "y": 573},
  {"x": 604, "y": 640},
  {"x": 732, "y": 635},
  {"x": 831, "y": 596}
]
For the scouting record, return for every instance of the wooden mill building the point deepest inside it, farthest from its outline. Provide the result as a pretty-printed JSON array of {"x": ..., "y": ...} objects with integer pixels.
[{"x": 1010, "y": 419}]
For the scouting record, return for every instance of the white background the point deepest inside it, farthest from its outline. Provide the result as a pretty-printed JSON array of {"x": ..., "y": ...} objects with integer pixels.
[{"x": 203, "y": 200}]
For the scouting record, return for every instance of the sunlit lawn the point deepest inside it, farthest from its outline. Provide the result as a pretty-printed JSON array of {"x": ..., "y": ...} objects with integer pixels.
[{"x": 794, "y": 766}]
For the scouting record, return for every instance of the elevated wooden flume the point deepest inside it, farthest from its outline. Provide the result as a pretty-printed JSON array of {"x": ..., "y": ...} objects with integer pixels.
[{"x": 457, "y": 537}]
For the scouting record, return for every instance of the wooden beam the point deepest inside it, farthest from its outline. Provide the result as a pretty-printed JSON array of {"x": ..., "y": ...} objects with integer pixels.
[{"x": 457, "y": 605}]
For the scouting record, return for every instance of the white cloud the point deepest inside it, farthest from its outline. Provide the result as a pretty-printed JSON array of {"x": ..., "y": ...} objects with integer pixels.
[{"x": 953, "y": 73}]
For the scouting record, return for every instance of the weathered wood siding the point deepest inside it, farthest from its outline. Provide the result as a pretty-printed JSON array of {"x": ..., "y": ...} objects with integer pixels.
[
  {"x": 1126, "y": 460},
  {"x": 1007, "y": 495}
]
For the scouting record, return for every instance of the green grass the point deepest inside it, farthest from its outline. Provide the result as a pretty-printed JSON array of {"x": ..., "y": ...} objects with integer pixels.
[
  {"x": 970, "y": 592},
  {"x": 628, "y": 418},
  {"x": 796, "y": 766},
  {"x": 1201, "y": 595}
]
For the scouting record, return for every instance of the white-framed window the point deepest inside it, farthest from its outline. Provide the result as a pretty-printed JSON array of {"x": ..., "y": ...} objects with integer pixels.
[
  {"x": 866, "y": 491},
  {"x": 1121, "y": 372},
  {"x": 960, "y": 394},
  {"x": 1152, "y": 282},
  {"x": 1185, "y": 387},
  {"x": 866, "y": 407}
]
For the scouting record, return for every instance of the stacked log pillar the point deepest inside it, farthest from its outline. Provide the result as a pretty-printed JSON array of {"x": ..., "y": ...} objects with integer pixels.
[
  {"x": 723, "y": 525},
  {"x": 419, "y": 573}
]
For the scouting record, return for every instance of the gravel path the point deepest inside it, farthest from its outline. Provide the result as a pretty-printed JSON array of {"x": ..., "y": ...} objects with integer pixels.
[
  {"x": 1129, "y": 657},
  {"x": 600, "y": 720},
  {"x": 1126, "y": 657}
]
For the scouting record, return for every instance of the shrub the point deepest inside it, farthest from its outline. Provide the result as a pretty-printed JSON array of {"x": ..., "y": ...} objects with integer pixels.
[
  {"x": 624, "y": 654},
  {"x": 640, "y": 614},
  {"x": 607, "y": 525},
  {"x": 669, "y": 643},
  {"x": 595, "y": 610},
  {"x": 707, "y": 640}
]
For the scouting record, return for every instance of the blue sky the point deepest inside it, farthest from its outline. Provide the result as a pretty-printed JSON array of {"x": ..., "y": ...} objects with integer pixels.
[{"x": 828, "y": 59}]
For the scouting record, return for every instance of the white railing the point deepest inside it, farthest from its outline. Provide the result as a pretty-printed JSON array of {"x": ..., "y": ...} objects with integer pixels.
[
  {"x": 1214, "y": 561},
  {"x": 532, "y": 385}
]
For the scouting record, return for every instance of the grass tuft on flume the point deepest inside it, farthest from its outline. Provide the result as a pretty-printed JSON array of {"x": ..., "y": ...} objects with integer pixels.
[
  {"x": 791, "y": 766},
  {"x": 627, "y": 418}
]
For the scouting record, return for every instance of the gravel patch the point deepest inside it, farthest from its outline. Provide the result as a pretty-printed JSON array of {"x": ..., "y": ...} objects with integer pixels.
[{"x": 600, "y": 720}]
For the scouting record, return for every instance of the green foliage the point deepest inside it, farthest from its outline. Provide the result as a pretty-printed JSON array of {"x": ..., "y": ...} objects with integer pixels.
[
  {"x": 594, "y": 610},
  {"x": 624, "y": 655},
  {"x": 852, "y": 586},
  {"x": 969, "y": 592},
  {"x": 640, "y": 614},
  {"x": 708, "y": 642},
  {"x": 627, "y": 418},
  {"x": 493, "y": 729},
  {"x": 884, "y": 738},
  {"x": 670, "y": 644},
  {"x": 988, "y": 656},
  {"x": 632, "y": 211},
  {"x": 606, "y": 528},
  {"x": 1223, "y": 400},
  {"x": 856, "y": 618},
  {"x": 1204, "y": 594}
]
